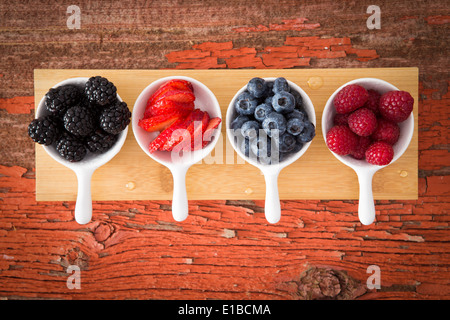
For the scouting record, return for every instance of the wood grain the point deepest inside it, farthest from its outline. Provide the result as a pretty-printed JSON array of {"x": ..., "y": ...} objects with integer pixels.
[
  {"x": 316, "y": 175},
  {"x": 225, "y": 249}
]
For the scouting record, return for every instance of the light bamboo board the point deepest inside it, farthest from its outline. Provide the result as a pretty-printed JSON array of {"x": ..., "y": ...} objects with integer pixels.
[{"x": 132, "y": 175}]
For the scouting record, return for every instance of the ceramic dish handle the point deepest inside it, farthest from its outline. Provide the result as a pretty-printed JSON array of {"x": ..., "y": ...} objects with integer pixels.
[
  {"x": 179, "y": 198},
  {"x": 366, "y": 206},
  {"x": 83, "y": 206},
  {"x": 272, "y": 206}
]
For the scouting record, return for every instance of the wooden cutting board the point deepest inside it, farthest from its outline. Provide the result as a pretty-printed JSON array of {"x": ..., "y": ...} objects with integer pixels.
[{"x": 132, "y": 175}]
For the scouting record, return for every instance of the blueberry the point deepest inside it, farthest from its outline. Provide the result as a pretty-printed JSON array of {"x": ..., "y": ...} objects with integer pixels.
[
  {"x": 250, "y": 129},
  {"x": 261, "y": 146},
  {"x": 298, "y": 99},
  {"x": 262, "y": 111},
  {"x": 245, "y": 104},
  {"x": 269, "y": 85},
  {"x": 281, "y": 85},
  {"x": 286, "y": 142},
  {"x": 239, "y": 121},
  {"x": 245, "y": 147},
  {"x": 283, "y": 102},
  {"x": 298, "y": 146},
  {"x": 296, "y": 114},
  {"x": 295, "y": 126},
  {"x": 308, "y": 133},
  {"x": 257, "y": 87},
  {"x": 265, "y": 150},
  {"x": 299, "y": 141},
  {"x": 274, "y": 123}
]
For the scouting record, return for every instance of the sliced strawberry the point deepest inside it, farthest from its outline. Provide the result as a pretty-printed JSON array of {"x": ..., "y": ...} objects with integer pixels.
[
  {"x": 185, "y": 133},
  {"x": 157, "y": 95},
  {"x": 178, "y": 96},
  {"x": 175, "y": 84},
  {"x": 159, "y": 123},
  {"x": 213, "y": 124},
  {"x": 163, "y": 106},
  {"x": 180, "y": 84},
  {"x": 197, "y": 140},
  {"x": 183, "y": 141},
  {"x": 162, "y": 138}
]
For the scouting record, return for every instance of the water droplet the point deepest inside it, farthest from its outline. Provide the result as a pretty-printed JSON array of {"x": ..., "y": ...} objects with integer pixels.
[
  {"x": 403, "y": 173},
  {"x": 315, "y": 82},
  {"x": 248, "y": 191},
  {"x": 130, "y": 185}
]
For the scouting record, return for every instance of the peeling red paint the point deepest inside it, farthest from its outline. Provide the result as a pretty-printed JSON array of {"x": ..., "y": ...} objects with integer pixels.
[
  {"x": 18, "y": 105},
  {"x": 296, "y": 52},
  {"x": 436, "y": 20},
  {"x": 290, "y": 24}
]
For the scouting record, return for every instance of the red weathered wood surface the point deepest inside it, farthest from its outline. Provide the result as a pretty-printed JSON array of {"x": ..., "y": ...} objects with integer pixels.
[{"x": 225, "y": 249}]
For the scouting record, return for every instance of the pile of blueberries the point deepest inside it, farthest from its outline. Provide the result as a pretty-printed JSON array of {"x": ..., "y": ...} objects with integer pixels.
[{"x": 270, "y": 123}]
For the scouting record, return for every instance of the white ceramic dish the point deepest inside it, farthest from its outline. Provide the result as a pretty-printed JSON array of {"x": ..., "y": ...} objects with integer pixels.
[
  {"x": 271, "y": 171},
  {"x": 205, "y": 100},
  {"x": 86, "y": 167},
  {"x": 364, "y": 170}
]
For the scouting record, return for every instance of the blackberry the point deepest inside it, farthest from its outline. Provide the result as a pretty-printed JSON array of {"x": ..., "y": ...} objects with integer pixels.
[
  {"x": 44, "y": 130},
  {"x": 100, "y": 141},
  {"x": 115, "y": 118},
  {"x": 100, "y": 91},
  {"x": 58, "y": 100},
  {"x": 70, "y": 148},
  {"x": 79, "y": 121}
]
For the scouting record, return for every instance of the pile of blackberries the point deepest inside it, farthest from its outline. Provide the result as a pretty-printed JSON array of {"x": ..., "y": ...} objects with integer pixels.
[{"x": 83, "y": 119}]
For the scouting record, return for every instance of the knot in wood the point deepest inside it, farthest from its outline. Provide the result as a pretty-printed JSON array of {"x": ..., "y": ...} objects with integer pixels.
[
  {"x": 328, "y": 284},
  {"x": 103, "y": 232}
]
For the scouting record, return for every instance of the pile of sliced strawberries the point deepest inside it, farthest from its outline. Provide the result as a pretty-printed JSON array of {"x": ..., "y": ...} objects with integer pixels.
[{"x": 171, "y": 111}]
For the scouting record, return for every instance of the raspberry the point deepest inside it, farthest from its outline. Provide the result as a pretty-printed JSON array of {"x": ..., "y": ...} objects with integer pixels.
[
  {"x": 363, "y": 122},
  {"x": 341, "y": 119},
  {"x": 380, "y": 153},
  {"x": 350, "y": 98},
  {"x": 341, "y": 140},
  {"x": 396, "y": 105},
  {"x": 360, "y": 151},
  {"x": 373, "y": 101},
  {"x": 386, "y": 131}
]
